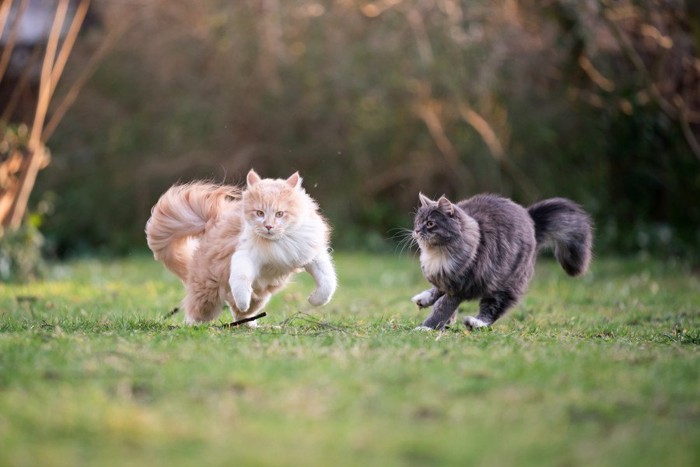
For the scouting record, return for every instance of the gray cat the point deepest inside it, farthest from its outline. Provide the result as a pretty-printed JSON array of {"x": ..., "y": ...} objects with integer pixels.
[{"x": 485, "y": 247}]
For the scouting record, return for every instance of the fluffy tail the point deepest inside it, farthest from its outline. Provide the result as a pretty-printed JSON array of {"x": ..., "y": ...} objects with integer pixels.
[
  {"x": 565, "y": 226},
  {"x": 180, "y": 216}
]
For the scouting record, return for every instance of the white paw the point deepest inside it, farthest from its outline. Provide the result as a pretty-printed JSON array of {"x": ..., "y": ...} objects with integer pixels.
[
  {"x": 242, "y": 297},
  {"x": 422, "y": 299},
  {"x": 423, "y": 328},
  {"x": 474, "y": 323},
  {"x": 318, "y": 299},
  {"x": 321, "y": 296}
]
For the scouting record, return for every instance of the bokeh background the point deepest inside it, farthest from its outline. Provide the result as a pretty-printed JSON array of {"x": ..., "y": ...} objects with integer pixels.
[{"x": 374, "y": 101}]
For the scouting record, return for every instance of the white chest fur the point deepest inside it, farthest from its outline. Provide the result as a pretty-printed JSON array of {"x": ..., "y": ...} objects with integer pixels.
[
  {"x": 275, "y": 260},
  {"x": 261, "y": 265},
  {"x": 435, "y": 261}
]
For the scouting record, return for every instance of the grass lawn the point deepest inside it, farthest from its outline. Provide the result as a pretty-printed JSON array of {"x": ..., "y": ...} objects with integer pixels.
[{"x": 603, "y": 370}]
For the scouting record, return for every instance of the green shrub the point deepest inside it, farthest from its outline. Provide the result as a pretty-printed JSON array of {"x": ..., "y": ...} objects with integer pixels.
[{"x": 20, "y": 253}]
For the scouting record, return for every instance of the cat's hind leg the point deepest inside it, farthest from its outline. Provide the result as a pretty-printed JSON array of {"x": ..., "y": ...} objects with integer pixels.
[
  {"x": 443, "y": 311},
  {"x": 490, "y": 309},
  {"x": 201, "y": 304},
  {"x": 427, "y": 297}
]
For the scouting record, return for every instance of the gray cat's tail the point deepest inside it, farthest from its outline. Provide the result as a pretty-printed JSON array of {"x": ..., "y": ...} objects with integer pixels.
[{"x": 565, "y": 226}]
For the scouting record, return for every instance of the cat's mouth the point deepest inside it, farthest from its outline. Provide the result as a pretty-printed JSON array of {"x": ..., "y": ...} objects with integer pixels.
[
  {"x": 424, "y": 241},
  {"x": 269, "y": 234},
  {"x": 429, "y": 241}
]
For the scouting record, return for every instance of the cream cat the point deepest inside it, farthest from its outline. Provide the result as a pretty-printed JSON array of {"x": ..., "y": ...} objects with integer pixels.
[{"x": 239, "y": 247}]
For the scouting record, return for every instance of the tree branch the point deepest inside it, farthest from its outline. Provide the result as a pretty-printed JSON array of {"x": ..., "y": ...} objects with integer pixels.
[
  {"x": 676, "y": 111},
  {"x": 487, "y": 133}
]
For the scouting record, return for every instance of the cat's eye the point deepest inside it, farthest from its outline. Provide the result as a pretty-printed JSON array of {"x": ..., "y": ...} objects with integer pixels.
[
  {"x": 279, "y": 214},
  {"x": 259, "y": 213},
  {"x": 430, "y": 224}
]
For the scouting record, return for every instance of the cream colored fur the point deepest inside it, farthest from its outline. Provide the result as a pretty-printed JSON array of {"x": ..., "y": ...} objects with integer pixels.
[{"x": 240, "y": 247}]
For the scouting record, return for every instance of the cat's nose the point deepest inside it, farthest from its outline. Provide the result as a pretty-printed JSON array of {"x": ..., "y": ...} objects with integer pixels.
[{"x": 268, "y": 227}]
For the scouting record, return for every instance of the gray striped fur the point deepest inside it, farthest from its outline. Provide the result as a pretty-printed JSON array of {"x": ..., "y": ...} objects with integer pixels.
[{"x": 485, "y": 248}]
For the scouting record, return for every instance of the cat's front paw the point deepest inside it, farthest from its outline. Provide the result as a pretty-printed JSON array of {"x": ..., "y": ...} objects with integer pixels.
[
  {"x": 241, "y": 298},
  {"x": 423, "y": 299},
  {"x": 423, "y": 328},
  {"x": 474, "y": 323},
  {"x": 324, "y": 291},
  {"x": 321, "y": 296}
]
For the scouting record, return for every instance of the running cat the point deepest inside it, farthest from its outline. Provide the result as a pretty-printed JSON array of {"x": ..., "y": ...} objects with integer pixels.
[
  {"x": 238, "y": 247},
  {"x": 485, "y": 248}
]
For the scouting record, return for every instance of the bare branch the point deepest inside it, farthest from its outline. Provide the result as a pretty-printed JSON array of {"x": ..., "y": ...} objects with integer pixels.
[
  {"x": 45, "y": 85},
  {"x": 68, "y": 43},
  {"x": 21, "y": 84},
  {"x": 675, "y": 111},
  {"x": 38, "y": 157},
  {"x": 4, "y": 14},
  {"x": 596, "y": 76},
  {"x": 82, "y": 79},
  {"x": 427, "y": 113},
  {"x": 488, "y": 135},
  {"x": 11, "y": 39}
]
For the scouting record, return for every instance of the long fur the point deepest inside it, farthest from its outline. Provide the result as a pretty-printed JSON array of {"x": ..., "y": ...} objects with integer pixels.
[
  {"x": 565, "y": 226},
  {"x": 485, "y": 248},
  {"x": 237, "y": 246},
  {"x": 180, "y": 216}
]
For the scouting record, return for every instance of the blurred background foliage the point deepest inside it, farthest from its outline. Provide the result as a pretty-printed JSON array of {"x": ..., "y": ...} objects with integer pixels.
[{"x": 374, "y": 101}]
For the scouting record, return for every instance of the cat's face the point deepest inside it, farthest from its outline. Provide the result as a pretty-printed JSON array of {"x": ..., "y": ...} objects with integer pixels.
[
  {"x": 272, "y": 207},
  {"x": 436, "y": 223}
]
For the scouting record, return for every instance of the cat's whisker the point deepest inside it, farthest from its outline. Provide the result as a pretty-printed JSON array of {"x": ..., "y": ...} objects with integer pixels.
[
  {"x": 411, "y": 244},
  {"x": 398, "y": 231},
  {"x": 404, "y": 240}
]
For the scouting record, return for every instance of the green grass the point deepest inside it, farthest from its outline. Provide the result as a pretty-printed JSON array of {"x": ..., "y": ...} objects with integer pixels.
[{"x": 602, "y": 370}]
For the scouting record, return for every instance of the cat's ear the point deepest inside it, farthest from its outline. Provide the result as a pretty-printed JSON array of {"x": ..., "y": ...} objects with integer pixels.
[
  {"x": 446, "y": 206},
  {"x": 424, "y": 200},
  {"x": 294, "y": 181},
  {"x": 252, "y": 178}
]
